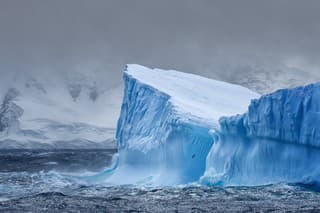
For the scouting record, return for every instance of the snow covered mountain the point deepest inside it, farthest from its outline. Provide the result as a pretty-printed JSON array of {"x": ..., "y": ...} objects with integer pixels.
[
  {"x": 178, "y": 128},
  {"x": 44, "y": 111}
]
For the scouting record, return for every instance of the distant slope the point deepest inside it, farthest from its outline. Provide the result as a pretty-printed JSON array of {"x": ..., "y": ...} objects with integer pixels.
[
  {"x": 56, "y": 112},
  {"x": 265, "y": 79}
]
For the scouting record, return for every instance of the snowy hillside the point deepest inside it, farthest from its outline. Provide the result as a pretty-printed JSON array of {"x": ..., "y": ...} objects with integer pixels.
[{"x": 74, "y": 111}]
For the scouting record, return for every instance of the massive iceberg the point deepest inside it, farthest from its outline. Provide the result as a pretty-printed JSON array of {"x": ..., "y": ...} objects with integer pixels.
[
  {"x": 167, "y": 124},
  {"x": 178, "y": 128}
]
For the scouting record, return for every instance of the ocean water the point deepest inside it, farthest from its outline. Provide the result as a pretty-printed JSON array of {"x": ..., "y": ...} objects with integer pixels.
[{"x": 55, "y": 181}]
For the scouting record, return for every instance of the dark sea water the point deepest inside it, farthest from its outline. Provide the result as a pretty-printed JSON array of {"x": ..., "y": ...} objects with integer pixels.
[{"x": 48, "y": 181}]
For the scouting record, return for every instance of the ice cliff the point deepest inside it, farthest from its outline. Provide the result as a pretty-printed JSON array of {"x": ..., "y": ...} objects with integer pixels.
[
  {"x": 277, "y": 140},
  {"x": 178, "y": 128},
  {"x": 165, "y": 130},
  {"x": 288, "y": 115}
]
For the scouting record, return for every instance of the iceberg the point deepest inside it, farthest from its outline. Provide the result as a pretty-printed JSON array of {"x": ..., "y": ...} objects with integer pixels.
[
  {"x": 167, "y": 124},
  {"x": 178, "y": 128}
]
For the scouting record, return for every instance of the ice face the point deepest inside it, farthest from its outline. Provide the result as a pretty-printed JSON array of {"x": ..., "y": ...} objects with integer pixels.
[
  {"x": 289, "y": 115},
  {"x": 236, "y": 160},
  {"x": 163, "y": 133},
  {"x": 277, "y": 140},
  {"x": 178, "y": 128}
]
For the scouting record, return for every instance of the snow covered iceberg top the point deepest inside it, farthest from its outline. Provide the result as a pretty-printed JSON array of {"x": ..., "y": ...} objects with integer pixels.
[
  {"x": 164, "y": 132},
  {"x": 195, "y": 98}
]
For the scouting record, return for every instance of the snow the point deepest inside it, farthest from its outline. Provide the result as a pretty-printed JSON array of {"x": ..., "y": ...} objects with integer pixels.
[
  {"x": 202, "y": 99},
  {"x": 164, "y": 129}
]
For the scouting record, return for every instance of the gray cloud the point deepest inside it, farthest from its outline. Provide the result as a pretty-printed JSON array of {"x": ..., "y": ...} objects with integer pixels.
[{"x": 193, "y": 36}]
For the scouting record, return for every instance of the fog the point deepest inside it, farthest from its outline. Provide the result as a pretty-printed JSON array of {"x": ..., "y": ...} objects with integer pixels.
[{"x": 207, "y": 37}]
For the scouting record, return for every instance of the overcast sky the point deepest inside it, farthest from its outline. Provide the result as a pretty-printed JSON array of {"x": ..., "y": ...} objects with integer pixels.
[{"x": 188, "y": 35}]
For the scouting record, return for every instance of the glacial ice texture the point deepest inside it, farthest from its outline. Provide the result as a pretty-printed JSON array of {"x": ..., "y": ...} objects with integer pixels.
[
  {"x": 163, "y": 133},
  {"x": 288, "y": 115},
  {"x": 277, "y": 140},
  {"x": 178, "y": 128}
]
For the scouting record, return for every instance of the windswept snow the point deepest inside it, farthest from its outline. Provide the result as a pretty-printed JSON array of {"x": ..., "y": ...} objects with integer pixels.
[{"x": 200, "y": 99}]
